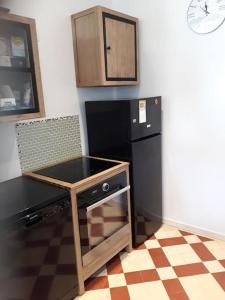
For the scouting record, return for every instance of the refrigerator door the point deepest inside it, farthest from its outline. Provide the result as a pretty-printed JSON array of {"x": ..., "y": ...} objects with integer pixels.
[
  {"x": 147, "y": 186},
  {"x": 145, "y": 117}
]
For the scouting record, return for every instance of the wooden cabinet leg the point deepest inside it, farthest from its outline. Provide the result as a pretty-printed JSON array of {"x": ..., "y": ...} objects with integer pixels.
[
  {"x": 77, "y": 249},
  {"x": 81, "y": 289},
  {"x": 129, "y": 247}
]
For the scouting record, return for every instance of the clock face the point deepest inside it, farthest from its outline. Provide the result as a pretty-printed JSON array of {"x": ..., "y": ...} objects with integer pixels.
[{"x": 206, "y": 15}]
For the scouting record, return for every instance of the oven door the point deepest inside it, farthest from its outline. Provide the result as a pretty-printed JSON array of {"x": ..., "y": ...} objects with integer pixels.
[{"x": 102, "y": 219}]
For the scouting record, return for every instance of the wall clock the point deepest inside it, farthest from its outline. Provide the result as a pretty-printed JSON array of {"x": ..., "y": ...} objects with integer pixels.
[{"x": 205, "y": 16}]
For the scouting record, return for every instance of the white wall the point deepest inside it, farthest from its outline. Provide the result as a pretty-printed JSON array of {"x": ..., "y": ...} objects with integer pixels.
[
  {"x": 57, "y": 68},
  {"x": 188, "y": 70}
]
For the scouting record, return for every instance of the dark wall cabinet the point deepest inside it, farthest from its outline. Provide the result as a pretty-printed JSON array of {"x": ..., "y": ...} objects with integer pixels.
[
  {"x": 21, "y": 95},
  {"x": 105, "y": 48}
]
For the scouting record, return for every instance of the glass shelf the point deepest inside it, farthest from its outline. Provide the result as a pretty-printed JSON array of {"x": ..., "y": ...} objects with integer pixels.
[
  {"x": 16, "y": 92},
  {"x": 15, "y": 69}
]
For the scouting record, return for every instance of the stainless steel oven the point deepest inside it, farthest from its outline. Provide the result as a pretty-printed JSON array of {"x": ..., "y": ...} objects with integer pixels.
[{"x": 102, "y": 211}]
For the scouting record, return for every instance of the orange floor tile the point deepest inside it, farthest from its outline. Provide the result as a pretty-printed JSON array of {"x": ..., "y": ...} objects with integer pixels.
[{"x": 173, "y": 264}]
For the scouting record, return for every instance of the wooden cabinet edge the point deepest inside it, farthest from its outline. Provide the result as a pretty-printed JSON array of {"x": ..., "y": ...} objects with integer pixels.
[
  {"x": 99, "y": 9},
  {"x": 117, "y": 13},
  {"x": 137, "y": 52},
  {"x": 37, "y": 68},
  {"x": 84, "y": 12},
  {"x": 21, "y": 117},
  {"x": 108, "y": 84},
  {"x": 96, "y": 253},
  {"x": 16, "y": 18},
  {"x": 73, "y": 17}
]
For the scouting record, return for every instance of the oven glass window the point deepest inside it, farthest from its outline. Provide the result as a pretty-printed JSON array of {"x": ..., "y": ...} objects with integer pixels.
[{"x": 99, "y": 223}]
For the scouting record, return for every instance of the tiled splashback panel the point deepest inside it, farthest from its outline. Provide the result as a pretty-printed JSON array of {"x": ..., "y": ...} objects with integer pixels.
[{"x": 44, "y": 142}]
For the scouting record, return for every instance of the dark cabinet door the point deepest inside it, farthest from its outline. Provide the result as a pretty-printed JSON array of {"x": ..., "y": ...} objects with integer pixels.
[
  {"x": 120, "y": 48},
  {"x": 147, "y": 185}
]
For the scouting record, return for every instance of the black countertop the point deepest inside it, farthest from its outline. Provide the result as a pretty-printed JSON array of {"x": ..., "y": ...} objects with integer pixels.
[
  {"x": 77, "y": 169},
  {"x": 23, "y": 195}
]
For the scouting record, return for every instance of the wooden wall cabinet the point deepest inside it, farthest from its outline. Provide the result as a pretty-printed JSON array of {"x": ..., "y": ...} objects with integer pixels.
[
  {"x": 21, "y": 95},
  {"x": 105, "y": 48}
]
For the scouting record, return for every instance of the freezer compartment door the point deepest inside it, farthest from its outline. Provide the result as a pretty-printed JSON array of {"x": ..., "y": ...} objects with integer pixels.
[
  {"x": 145, "y": 117},
  {"x": 147, "y": 186}
]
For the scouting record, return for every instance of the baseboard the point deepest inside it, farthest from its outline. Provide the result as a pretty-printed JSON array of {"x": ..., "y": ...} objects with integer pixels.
[{"x": 188, "y": 227}]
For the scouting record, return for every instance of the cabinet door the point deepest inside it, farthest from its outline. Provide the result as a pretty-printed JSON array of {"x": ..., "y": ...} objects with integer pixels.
[
  {"x": 120, "y": 48},
  {"x": 21, "y": 94}
]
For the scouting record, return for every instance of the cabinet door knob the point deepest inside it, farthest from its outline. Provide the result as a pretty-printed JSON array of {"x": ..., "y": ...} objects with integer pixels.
[{"x": 108, "y": 48}]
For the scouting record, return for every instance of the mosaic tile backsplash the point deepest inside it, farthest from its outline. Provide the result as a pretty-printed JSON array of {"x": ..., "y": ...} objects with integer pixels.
[{"x": 43, "y": 142}]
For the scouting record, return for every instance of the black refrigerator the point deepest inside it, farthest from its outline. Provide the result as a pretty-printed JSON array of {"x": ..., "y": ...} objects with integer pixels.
[{"x": 130, "y": 130}]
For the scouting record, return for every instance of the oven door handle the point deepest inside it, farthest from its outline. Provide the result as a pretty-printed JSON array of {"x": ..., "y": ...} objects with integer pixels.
[{"x": 91, "y": 207}]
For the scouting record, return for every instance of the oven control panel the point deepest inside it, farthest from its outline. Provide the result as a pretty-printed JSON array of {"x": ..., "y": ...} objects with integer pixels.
[{"x": 103, "y": 189}]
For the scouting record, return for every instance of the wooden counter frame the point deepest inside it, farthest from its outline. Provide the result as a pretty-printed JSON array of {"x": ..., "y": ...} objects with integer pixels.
[{"x": 122, "y": 237}]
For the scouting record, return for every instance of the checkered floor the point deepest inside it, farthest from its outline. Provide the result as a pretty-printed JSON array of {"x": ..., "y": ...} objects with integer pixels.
[{"x": 172, "y": 264}]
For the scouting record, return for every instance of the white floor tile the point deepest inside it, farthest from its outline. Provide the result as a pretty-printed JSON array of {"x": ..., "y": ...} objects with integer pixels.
[
  {"x": 116, "y": 280},
  {"x": 148, "y": 290},
  {"x": 150, "y": 244},
  {"x": 202, "y": 287},
  {"x": 217, "y": 248},
  {"x": 103, "y": 294},
  {"x": 166, "y": 273},
  {"x": 181, "y": 254},
  {"x": 165, "y": 234},
  {"x": 136, "y": 261},
  {"x": 214, "y": 266},
  {"x": 191, "y": 239}
]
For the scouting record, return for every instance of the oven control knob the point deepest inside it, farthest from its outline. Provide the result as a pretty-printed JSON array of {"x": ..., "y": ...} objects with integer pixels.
[{"x": 105, "y": 187}]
